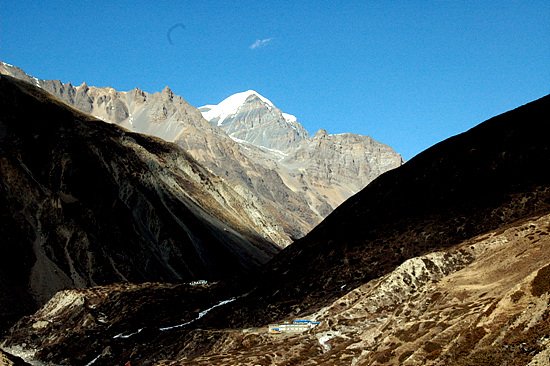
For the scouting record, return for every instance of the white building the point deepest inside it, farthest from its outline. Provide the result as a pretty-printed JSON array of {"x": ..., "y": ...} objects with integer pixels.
[{"x": 297, "y": 326}]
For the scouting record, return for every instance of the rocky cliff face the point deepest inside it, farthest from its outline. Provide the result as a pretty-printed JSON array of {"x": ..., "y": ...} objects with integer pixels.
[
  {"x": 85, "y": 203},
  {"x": 332, "y": 168}
]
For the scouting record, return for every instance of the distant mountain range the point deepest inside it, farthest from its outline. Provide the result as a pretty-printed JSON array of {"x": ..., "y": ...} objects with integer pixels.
[{"x": 263, "y": 153}]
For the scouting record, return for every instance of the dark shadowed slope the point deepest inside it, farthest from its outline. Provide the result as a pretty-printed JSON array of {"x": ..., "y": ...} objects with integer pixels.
[
  {"x": 485, "y": 178},
  {"x": 83, "y": 203}
]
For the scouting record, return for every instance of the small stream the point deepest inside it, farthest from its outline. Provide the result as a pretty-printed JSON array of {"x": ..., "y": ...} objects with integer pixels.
[{"x": 201, "y": 314}]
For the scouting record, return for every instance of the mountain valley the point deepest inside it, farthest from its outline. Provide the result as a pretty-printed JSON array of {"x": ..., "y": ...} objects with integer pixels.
[{"x": 443, "y": 260}]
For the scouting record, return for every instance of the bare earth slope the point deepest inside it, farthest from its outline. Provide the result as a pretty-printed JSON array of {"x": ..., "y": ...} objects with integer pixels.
[{"x": 85, "y": 203}]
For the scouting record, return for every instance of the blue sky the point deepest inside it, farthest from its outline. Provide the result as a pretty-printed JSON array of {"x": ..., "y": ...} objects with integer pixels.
[{"x": 407, "y": 73}]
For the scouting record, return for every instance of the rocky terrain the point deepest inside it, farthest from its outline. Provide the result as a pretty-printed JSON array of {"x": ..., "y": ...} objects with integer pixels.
[
  {"x": 444, "y": 260},
  {"x": 485, "y": 301},
  {"x": 261, "y": 152},
  {"x": 85, "y": 203},
  {"x": 483, "y": 179},
  {"x": 7, "y": 359}
]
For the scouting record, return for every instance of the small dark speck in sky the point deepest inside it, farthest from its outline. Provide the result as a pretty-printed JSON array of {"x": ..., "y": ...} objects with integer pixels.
[{"x": 169, "y": 33}]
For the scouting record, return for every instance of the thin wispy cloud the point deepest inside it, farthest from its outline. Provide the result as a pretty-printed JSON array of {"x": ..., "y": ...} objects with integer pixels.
[{"x": 260, "y": 43}]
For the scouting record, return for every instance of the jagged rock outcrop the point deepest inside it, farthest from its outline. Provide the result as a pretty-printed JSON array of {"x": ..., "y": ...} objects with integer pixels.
[
  {"x": 85, "y": 203},
  {"x": 332, "y": 168}
]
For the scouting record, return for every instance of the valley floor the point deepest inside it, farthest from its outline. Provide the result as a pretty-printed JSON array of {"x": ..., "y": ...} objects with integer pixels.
[{"x": 483, "y": 302}]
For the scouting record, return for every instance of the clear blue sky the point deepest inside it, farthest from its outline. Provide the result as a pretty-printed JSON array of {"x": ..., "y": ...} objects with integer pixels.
[{"x": 407, "y": 73}]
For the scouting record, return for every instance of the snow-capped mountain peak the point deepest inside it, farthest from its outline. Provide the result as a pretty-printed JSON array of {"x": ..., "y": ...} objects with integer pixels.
[
  {"x": 252, "y": 118},
  {"x": 230, "y": 106}
]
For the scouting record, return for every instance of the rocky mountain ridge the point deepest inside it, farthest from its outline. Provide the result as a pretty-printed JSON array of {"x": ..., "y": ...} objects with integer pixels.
[
  {"x": 85, "y": 203},
  {"x": 253, "y": 157},
  {"x": 326, "y": 169}
]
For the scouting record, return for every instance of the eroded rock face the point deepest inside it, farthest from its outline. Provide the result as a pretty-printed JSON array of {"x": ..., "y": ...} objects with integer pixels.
[
  {"x": 337, "y": 166},
  {"x": 88, "y": 203},
  {"x": 258, "y": 182}
]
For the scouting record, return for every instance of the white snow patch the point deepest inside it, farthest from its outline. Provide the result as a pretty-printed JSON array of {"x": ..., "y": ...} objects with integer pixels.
[
  {"x": 201, "y": 314},
  {"x": 290, "y": 117},
  {"x": 244, "y": 143},
  {"x": 102, "y": 319},
  {"x": 101, "y": 118},
  {"x": 323, "y": 341},
  {"x": 274, "y": 151},
  {"x": 5, "y": 63}
]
